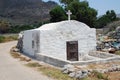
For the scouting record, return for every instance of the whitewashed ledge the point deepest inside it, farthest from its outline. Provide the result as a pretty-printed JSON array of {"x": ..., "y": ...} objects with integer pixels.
[{"x": 61, "y": 63}]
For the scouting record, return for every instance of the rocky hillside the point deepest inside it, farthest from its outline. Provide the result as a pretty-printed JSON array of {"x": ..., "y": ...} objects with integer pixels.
[
  {"x": 111, "y": 27},
  {"x": 118, "y": 15},
  {"x": 25, "y": 11}
]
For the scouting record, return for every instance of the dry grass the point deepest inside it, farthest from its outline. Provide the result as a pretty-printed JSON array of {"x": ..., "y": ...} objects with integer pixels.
[
  {"x": 117, "y": 52},
  {"x": 8, "y": 38},
  {"x": 98, "y": 76},
  {"x": 54, "y": 73},
  {"x": 114, "y": 76},
  {"x": 102, "y": 65},
  {"x": 58, "y": 75},
  {"x": 18, "y": 55},
  {"x": 50, "y": 71},
  {"x": 14, "y": 54},
  {"x": 34, "y": 64}
]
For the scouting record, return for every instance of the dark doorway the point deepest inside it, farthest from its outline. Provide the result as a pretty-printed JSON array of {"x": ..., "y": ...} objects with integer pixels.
[{"x": 72, "y": 50}]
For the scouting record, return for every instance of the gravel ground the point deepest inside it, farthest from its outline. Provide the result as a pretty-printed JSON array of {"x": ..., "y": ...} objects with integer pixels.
[{"x": 12, "y": 69}]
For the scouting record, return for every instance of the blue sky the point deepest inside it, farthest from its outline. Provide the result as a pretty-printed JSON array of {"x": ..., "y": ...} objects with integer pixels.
[{"x": 102, "y": 5}]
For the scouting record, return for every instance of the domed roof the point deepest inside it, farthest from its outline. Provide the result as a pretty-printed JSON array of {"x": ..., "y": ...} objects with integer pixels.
[{"x": 67, "y": 24}]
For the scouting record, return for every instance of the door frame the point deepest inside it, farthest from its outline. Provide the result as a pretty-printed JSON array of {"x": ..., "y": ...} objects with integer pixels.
[{"x": 68, "y": 51}]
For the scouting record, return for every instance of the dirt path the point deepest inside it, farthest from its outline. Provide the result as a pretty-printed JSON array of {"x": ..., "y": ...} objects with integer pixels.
[{"x": 11, "y": 69}]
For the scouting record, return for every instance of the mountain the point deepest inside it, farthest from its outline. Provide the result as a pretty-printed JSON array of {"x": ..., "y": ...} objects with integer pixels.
[
  {"x": 25, "y": 11},
  {"x": 118, "y": 15}
]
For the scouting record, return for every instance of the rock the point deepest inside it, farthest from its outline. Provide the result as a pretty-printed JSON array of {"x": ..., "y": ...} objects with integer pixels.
[
  {"x": 71, "y": 70},
  {"x": 99, "y": 70},
  {"x": 78, "y": 74},
  {"x": 84, "y": 75},
  {"x": 72, "y": 74},
  {"x": 109, "y": 70},
  {"x": 118, "y": 68},
  {"x": 106, "y": 70},
  {"x": 68, "y": 68},
  {"x": 66, "y": 71},
  {"x": 28, "y": 59},
  {"x": 84, "y": 71},
  {"x": 112, "y": 50},
  {"x": 118, "y": 29},
  {"x": 90, "y": 70},
  {"x": 63, "y": 69},
  {"x": 15, "y": 50}
]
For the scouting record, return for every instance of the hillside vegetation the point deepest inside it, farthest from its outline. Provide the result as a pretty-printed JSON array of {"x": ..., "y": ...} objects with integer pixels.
[
  {"x": 25, "y": 11},
  {"x": 81, "y": 11},
  {"x": 20, "y": 15},
  {"x": 8, "y": 37}
]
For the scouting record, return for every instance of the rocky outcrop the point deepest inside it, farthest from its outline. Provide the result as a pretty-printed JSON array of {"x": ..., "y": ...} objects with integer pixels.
[
  {"x": 74, "y": 72},
  {"x": 115, "y": 34}
]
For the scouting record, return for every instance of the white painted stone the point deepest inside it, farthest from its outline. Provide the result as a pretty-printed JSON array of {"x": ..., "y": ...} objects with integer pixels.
[{"x": 53, "y": 38}]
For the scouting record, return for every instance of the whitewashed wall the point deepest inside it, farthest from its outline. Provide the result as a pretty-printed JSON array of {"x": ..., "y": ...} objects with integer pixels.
[
  {"x": 27, "y": 42},
  {"x": 53, "y": 42},
  {"x": 53, "y": 38},
  {"x": 29, "y": 36}
]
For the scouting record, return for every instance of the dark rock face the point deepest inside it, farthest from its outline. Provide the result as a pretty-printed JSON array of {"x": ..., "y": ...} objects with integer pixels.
[
  {"x": 25, "y": 11},
  {"x": 118, "y": 31}
]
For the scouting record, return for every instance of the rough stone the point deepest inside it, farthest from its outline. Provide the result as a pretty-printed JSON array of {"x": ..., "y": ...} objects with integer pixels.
[
  {"x": 78, "y": 74},
  {"x": 16, "y": 50},
  {"x": 84, "y": 71},
  {"x": 84, "y": 75},
  {"x": 72, "y": 74},
  {"x": 71, "y": 69},
  {"x": 66, "y": 71},
  {"x": 68, "y": 68}
]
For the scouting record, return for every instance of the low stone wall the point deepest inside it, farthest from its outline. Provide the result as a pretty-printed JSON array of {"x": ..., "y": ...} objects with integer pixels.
[
  {"x": 96, "y": 61},
  {"x": 51, "y": 60},
  {"x": 61, "y": 63}
]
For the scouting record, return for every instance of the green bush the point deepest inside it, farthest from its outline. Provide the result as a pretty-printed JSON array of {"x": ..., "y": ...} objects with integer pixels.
[
  {"x": 2, "y": 39},
  {"x": 100, "y": 75}
]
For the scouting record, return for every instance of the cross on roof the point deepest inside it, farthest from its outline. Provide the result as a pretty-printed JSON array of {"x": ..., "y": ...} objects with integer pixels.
[{"x": 69, "y": 13}]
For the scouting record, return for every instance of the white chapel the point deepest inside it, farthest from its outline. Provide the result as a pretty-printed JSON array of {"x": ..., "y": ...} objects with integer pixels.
[{"x": 65, "y": 40}]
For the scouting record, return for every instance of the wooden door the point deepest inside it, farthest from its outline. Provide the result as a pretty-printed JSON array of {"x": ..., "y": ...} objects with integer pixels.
[{"x": 72, "y": 50}]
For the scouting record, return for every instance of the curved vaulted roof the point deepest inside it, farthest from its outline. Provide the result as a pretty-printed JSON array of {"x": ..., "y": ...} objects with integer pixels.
[{"x": 67, "y": 24}]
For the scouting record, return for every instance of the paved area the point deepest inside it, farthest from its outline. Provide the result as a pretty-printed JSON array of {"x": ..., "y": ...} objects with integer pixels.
[{"x": 12, "y": 69}]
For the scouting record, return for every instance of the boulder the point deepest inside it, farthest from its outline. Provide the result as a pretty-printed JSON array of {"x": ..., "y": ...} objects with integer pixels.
[
  {"x": 66, "y": 71},
  {"x": 78, "y": 74},
  {"x": 15, "y": 50},
  {"x": 72, "y": 74},
  {"x": 68, "y": 68}
]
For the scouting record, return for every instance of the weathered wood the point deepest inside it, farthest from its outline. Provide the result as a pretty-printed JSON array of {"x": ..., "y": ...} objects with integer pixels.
[{"x": 72, "y": 50}]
